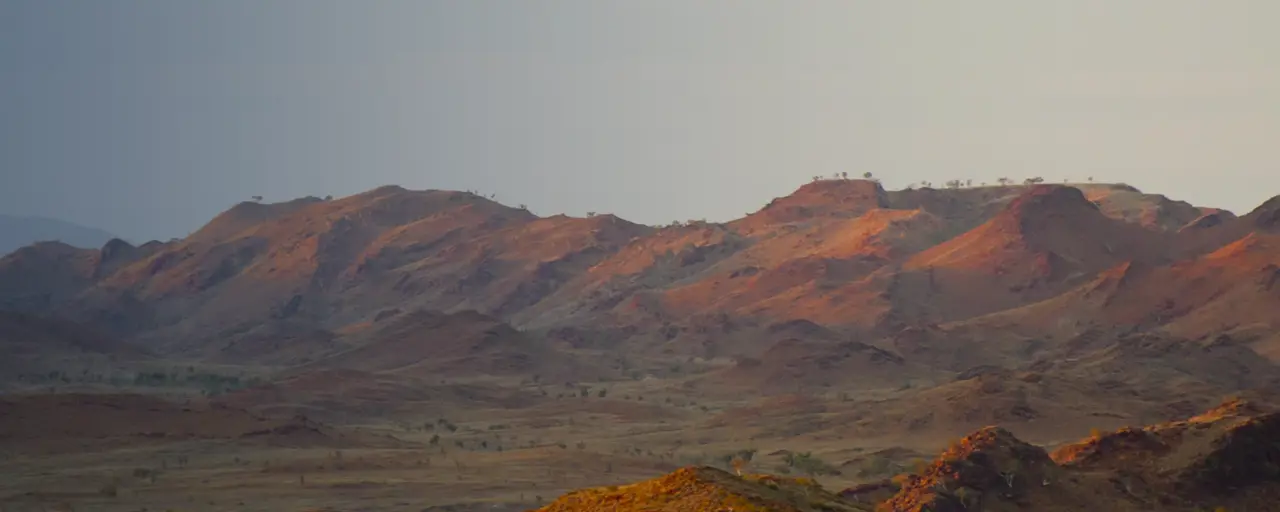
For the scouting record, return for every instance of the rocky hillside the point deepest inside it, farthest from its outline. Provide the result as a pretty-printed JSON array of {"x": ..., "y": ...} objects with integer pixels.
[
  {"x": 706, "y": 488},
  {"x": 1223, "y": 458}
]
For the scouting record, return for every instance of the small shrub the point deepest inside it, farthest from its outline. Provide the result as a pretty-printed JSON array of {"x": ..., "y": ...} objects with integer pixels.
[{"x": 110, "y": 490}]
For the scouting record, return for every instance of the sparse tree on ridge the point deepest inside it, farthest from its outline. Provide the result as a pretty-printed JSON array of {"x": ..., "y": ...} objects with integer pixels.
[
  {"x": 256, "y": 199},
  {"x": 866, "y": 175},
  {"x": 844, "y": 175},
  {"x": 1004, "y": 182}
]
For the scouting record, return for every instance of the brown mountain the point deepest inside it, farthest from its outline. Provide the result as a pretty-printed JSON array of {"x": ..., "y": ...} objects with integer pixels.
[
  {"x": 837, "y": 252},
  {"x": 1227, "y": 291},
  {"x": 1152, "y": 211},
  {"x": 1040, "y": 244}
]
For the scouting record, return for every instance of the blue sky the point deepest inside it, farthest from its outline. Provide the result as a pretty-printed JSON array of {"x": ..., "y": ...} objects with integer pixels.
[{"x": 146, "y": 118}]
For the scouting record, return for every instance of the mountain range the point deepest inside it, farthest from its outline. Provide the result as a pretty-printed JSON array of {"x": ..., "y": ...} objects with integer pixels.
[
  {"x": 900, "y": 318},
  {"x": 1054, "y": 262}
]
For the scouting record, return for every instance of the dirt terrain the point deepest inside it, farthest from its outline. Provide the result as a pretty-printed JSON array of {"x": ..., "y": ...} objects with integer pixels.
[{"x": 437, "y": 350}]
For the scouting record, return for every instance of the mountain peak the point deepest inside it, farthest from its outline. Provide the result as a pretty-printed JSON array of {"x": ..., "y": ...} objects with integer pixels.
[
  {"x": 823, "y": 198},
  {"x": 1047, "y": 220},
  {"x": 1267, "y": 215},
  {"x": 1050, "y": 200}
]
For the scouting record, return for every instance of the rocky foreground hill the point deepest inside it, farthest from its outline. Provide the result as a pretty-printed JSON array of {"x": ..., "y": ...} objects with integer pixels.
[{"x": 1225, "y": 459}]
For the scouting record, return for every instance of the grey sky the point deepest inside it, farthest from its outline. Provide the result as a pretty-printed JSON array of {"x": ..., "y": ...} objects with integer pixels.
[{"x": 146, "y": 118}]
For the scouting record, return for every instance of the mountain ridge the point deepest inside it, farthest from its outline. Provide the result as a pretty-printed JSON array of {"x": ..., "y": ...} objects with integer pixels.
[
  {"x": 901, "y": 257},
  {"x": 20, "y": 231}
]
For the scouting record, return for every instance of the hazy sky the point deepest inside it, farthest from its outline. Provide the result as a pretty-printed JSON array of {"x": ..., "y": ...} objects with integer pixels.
[{"x": 148, "y": 117}]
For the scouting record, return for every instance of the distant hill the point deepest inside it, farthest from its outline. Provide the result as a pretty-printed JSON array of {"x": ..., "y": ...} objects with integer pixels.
[{"x": 17, "y": 232}]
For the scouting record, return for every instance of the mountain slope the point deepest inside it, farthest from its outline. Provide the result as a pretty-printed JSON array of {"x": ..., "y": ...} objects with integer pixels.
[
  {"x": 36, "y": 350},
  {"x": 1034, "y": 247},
  {"x": 1228, "y": 291},
  {"x": 706, "y": 489},
  {"x": 466, "y": 344}
]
